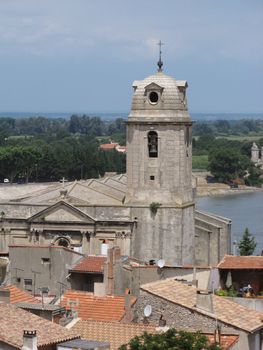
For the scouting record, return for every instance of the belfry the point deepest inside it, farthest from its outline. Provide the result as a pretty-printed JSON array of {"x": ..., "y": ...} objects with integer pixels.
[{"x": 159, "y": 168}]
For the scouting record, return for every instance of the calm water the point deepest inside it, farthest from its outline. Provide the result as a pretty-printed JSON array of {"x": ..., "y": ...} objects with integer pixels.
[{"x": 245, "y": 210}]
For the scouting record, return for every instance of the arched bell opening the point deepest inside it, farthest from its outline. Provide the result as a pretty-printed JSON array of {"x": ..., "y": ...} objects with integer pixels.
[{"x": 153, "y": 144}]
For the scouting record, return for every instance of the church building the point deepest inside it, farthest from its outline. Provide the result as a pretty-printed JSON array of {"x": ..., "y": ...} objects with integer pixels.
[{"x": 148, "y": 212}]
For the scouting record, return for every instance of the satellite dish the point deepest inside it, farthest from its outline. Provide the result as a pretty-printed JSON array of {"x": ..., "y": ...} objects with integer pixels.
[
  {"x": 160, "y": 263},
  {"x": 147, "y": 310}
]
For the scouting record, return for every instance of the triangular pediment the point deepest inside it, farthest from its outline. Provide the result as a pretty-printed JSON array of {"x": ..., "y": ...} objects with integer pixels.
[
  {"x": 153, "y": 86},
  {"x": 61, "y": 212}
]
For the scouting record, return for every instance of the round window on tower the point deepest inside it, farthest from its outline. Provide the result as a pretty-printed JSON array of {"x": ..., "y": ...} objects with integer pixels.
[{"x": 153, "y": 97}]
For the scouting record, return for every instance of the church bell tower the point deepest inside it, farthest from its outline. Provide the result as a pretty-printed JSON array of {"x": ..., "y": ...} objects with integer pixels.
[{"x": 159, "y": 170}]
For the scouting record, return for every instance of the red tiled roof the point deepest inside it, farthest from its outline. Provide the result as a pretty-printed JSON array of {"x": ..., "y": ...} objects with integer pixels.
[
  {"x": 115, "y": 333},
  {"x": 241, "y": 262},
  {"x": 90, "y": 307},
  {"x": 13, "y": 321},
  {"x": 90, "y": 263},
  {"x": 118, "y": 334},
  {"x": 17, "y": 295},
  {"x": 226, "y": 341},
  {"x": 107, "y": 146}
]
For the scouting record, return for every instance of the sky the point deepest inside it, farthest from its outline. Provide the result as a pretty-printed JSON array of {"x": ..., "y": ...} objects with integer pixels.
[{"x": 81, "y": 56}]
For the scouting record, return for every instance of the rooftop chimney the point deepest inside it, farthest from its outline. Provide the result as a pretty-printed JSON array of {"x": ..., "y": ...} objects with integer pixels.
[
  {"x": 128, "y": 317},
  {"x": 29, "y": 340},
  {"x": 5, "y": 296},
  {"x": 113, "y": 257},
  {"x": 204, "y": 301}
]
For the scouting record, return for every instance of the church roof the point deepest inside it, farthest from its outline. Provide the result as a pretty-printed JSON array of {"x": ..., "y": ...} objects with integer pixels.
[{"x": 104, "y": 191}]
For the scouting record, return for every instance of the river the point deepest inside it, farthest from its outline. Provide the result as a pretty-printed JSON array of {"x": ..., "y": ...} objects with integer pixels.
[{"x": 244, "y": 209}]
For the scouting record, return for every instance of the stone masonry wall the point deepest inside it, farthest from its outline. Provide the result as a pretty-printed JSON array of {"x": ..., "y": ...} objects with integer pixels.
[{"x": 183, "y": 318}]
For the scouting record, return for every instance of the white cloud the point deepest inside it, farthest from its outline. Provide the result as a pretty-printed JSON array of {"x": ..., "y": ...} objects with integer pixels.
[{"x": 80, "y": 27}]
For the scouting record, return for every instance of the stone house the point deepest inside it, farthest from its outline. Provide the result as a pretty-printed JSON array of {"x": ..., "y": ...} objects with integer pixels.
[
  {"x": 88, "y": 275},
  {"x": 123, "y": 272},
  {"x": 184, "y": 307},
  {"x": 35, "y": 267}
]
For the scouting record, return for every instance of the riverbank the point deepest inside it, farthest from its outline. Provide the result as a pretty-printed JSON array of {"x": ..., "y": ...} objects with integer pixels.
[
  {"x": 218, "y": 190},
  {"x": 205, "y": 188}
]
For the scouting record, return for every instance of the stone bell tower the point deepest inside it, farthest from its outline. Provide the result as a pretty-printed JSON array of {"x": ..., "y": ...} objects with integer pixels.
[{"x": 159, "y": 170}]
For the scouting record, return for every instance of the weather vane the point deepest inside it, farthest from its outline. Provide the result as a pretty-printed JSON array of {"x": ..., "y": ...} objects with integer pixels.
[{"x": 160, "y": 62}]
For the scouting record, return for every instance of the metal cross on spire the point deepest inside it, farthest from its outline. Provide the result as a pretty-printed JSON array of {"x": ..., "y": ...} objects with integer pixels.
[{"x": 160, "y": 62}]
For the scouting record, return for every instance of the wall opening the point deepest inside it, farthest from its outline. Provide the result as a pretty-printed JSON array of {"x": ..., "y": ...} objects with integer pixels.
[
  {"x": 153, "y": 144},
  {"x": 62, "y": 242}
]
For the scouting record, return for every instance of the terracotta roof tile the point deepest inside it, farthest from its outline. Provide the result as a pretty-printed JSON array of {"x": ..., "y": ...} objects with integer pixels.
[
  {"x": 113, "y": 332},
  {"x": 90, "y": 307},
  {"x": 227, "y": 341},
  {"x": 241, "y": 262},
  {"x": 90, "y": 264},
  {"x": 17, "y": 295},
  {"x": 13, "y": 321},
  {"x": 107, "y": 146},
  {"x": 225, "y": 310},
  {"x": 119, "y": 333}
]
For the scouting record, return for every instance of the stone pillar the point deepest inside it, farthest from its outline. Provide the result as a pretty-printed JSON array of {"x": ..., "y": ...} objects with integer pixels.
[{"x": 85, "y": 242}]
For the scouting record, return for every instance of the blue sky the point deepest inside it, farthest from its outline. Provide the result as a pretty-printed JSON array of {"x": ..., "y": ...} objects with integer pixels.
[{"x": 83, "y": 55}]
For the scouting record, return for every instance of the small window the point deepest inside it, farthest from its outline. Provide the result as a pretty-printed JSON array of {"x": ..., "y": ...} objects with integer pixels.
[
  {"x": 153, "y": 97},
  {"x": 45, "y": 261},
  {"x": 28, "y": 284},
  {"x": 151, "y": 177},
  {"x": 153, "y": 144}
]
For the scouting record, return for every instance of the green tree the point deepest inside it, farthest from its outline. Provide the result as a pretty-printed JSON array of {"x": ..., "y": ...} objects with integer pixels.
[
  {"x": 247, "y": 245},
  {"x": 227, "y": 164},
  {"x": 11, "y": 163},
  {"x": 170, "y": 340}
]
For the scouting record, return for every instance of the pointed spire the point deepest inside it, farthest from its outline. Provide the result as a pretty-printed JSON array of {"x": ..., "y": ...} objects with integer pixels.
[{"x": 160, "y": 62}]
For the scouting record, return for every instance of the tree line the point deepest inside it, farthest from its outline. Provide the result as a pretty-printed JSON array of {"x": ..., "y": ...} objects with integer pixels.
[
  {"x": 42, "y": 149},
  {"x": 88, "y": 125},
  {"x": 229, "y": 160}
]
